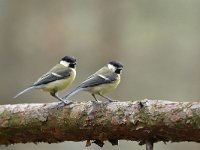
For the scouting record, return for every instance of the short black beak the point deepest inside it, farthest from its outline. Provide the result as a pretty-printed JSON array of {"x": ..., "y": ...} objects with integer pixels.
[
  {"x": 118, "y": 70},
  {"x": 72, "y": 65}
]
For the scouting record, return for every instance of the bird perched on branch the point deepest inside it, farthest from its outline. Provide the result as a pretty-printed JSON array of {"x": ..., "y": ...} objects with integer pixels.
[
  {"x": 103, "y": 81},
  {"x": 58, "y": 78}
]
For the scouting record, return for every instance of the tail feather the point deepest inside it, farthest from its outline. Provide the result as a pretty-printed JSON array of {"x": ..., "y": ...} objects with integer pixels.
[
  {"x": 26, "y": 90},
  {"x": 72, "y": 93}
]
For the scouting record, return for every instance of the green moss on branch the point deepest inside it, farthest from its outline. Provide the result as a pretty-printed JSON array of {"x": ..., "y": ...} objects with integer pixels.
[{"x": 140, "y": 120}]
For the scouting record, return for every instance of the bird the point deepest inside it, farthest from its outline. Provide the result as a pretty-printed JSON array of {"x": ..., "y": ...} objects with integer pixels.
[
  {"x": 56, "y": 79},
  {"x": 103, "y": 81}
]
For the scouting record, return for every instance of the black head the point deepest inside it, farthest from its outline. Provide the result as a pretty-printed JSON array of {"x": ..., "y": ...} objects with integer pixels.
[
  {"x": 117, "y": 65},
  {"x": 71, "y": 60}
]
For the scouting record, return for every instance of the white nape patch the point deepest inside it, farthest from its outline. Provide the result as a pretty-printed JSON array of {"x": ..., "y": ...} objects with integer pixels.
[
  {"x": 64, "y": 63},
  {"x": 102, "y": 76},
  {"x": 111, "y": 67},
  {"x": 55, "y": 74}
]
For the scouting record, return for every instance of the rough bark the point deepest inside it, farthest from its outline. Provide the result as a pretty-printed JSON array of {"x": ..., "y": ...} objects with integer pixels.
[{"x": 138, "y": 121}]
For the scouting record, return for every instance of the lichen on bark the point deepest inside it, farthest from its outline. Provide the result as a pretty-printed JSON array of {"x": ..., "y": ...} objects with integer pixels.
[{"x": 139, "y": 121}]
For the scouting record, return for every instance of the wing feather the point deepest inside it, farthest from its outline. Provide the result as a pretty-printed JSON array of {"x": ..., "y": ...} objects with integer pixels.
[
  {"x": 98, "y": 80},
  {"x": 53, "y": 76}
]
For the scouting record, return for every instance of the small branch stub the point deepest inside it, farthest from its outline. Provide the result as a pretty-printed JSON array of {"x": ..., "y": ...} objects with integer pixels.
[
  {"x": 149, "y": 144},
  {"x": 138, "y": 121}
]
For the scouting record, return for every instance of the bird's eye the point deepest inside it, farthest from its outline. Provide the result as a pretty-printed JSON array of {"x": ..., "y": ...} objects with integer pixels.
[
  {"x": 118, "y": 71},
  {"x": 72, "y": 65}
]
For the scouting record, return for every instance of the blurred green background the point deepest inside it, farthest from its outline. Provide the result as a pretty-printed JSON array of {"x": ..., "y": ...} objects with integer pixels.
[{"x": 157, "y": 41}]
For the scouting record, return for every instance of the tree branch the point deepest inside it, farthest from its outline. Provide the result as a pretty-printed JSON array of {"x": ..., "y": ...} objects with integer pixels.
[{"x": 139, "y": 121}]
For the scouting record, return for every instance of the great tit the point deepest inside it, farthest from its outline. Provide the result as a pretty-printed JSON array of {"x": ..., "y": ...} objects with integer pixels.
[
  {"x": 58, "y": 78},
  {"x": 103, "y": 81}
]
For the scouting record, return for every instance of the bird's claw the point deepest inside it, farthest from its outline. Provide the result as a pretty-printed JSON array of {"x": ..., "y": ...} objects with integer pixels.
[
  {"x": 112, "y": 100},
  {"x": 96, "y": 102},
  {"x": 64, "y": 103}
]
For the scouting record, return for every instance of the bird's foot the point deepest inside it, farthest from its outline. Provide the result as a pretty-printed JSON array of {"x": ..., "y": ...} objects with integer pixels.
[
  {"x": 112, "y": 100},
  {"x": 96, "y": 102},
  {"x": 64, "y": 103}
]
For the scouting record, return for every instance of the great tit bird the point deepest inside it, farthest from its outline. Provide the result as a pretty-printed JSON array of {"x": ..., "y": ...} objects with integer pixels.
[
  {"x": 58, "y": 78},
  {"x": 103, "y": 81}
]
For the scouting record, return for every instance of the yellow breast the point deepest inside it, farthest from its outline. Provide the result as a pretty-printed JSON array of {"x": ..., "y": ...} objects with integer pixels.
[
  {"x": 60, "y": 84},
  {"x": 105, "y": 88}
]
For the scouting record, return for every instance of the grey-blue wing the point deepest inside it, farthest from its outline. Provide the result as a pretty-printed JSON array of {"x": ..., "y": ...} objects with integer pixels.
[
  {"x": 98, "y": 80},
  {"x": 92, "y": 81},
  {"x": 51, "y": 76}
]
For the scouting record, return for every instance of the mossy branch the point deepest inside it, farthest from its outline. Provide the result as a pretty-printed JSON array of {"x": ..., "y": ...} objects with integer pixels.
[{"x": 138, "y": 121}]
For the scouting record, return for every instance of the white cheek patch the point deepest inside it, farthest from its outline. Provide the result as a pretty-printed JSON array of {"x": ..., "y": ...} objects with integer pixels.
[
  {"x": 111, "y": 67},
  {"x": 64, "y": 63}
]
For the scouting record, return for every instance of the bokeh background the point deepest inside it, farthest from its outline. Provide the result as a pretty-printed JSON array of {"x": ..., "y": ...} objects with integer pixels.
[{"x": 158, "y": 42}]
